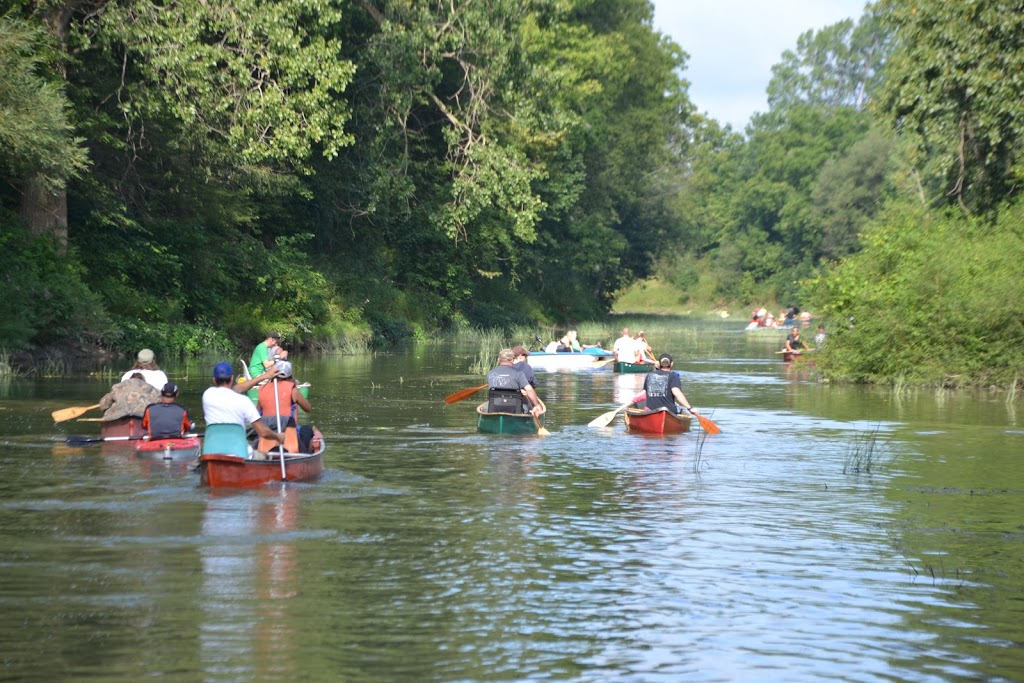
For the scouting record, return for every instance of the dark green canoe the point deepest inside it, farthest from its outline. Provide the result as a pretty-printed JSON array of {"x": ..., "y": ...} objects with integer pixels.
[
  {"x": 505, "y": 423},
  {"x": 622, "y": 366}
]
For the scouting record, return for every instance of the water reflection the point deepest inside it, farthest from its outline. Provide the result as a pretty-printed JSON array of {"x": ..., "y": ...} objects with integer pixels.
[{"x": 249, "y": 577}]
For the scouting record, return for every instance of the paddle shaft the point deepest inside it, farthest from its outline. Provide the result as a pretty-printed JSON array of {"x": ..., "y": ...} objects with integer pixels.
[
  {"x": 280, "y": 446},
  {"x": 463, "y": 394},
  {"x": 143, "y": 437}
]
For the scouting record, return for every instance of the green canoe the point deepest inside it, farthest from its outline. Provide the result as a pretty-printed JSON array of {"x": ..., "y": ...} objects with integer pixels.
[{"x": 505, "y": 423}]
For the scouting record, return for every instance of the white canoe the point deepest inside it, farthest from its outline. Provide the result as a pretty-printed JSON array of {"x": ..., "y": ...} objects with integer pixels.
[{"x": 572, "y": 362}]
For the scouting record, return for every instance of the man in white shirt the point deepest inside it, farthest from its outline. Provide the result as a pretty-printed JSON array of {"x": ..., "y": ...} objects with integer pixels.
[
  {"x": 226, "y": 403},
  {"x": 624, "y": 348},
  {"x": 145, "y": 363}
]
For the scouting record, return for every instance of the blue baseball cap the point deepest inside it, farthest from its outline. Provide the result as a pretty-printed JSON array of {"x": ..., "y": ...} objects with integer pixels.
[{"x": 223, "y": 370}]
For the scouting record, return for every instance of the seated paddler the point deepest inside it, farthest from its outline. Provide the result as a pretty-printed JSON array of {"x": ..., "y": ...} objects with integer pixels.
[
  {"x": 664, "y": 389},
  {"x": 509, "y": 391},
  {"x": 227, "y": 410},
  {"x": 167, "y": 419},
  {"x": 277, "y": 400}
]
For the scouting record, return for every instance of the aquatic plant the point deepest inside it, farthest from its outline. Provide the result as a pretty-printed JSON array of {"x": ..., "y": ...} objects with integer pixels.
[{"x": 867, "y": 452}]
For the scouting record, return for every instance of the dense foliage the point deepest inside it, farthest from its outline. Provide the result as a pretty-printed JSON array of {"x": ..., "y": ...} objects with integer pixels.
[
  {"x": 339, "y": 169},
  {"x": 186, "y": 174}
]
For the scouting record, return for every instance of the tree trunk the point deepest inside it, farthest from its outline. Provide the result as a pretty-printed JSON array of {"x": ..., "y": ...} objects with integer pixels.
[{"x": 45, "y": 211}]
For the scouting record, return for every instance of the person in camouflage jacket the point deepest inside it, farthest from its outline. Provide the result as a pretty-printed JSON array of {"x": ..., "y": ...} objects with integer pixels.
[{"x": 129, "y": 397}]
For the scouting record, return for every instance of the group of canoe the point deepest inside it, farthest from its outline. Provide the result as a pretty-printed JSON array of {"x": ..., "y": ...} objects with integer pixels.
[{"x": 219, "y": 460}]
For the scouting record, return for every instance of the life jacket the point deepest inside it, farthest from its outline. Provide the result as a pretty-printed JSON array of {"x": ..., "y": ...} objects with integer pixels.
[
  {"x": 165, "y": 420},
  {"x": 282, "y": 405}
]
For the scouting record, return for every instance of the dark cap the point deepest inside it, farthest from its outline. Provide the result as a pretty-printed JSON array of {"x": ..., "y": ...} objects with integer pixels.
[
  {"x": 170, "y": 389},
  {"x": 223, "y": 370},
  {"x": 664, "y": 360},
  {"x": 520, "y": 351},
  {"x": 273, "y": 334}
]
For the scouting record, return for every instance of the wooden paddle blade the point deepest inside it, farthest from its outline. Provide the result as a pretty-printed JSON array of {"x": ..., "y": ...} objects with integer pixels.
[
  {"x": 604, "y": 419},
  {"x": 71, "y": 413},
  {"x": 462, "y": 395},
  {"x": 707, "y": 425},
  {"x": 540, "y": 430}
]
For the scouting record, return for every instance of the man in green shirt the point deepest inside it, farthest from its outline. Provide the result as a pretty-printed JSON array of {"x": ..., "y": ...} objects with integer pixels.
[{"x": 266, "y": 353}]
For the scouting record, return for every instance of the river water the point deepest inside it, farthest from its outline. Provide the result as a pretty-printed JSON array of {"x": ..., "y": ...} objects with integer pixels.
[{"x": 828, "y": 533}]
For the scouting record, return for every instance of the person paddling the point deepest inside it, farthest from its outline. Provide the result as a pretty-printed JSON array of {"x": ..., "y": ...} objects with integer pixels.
[{"x": 167, "y": 419}]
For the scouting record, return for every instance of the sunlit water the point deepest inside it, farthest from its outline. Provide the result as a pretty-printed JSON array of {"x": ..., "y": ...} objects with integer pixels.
[{"x": 429, "y": 552}]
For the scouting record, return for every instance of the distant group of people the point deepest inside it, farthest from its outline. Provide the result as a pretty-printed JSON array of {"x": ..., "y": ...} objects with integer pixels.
[
  {"x": 790, "y": 317},
  {"x": 570, "y": 343},
  {"x": 145, "y": 392},
  {"x": 633, "y": 349}
]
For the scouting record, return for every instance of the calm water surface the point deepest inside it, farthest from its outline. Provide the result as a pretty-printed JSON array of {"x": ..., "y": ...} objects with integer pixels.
[{"x": 429, "y": 552}]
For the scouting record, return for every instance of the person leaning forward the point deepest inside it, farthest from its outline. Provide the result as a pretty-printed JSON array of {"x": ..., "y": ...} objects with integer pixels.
[
  {"x": 506, "y": 382},
  {"x": 664, "y": 389},
  {"x": 226, "y": 402},
  {"x": 266, "y": 353}
]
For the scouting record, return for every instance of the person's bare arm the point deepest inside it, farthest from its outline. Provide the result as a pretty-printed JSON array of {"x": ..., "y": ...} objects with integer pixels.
[
  {"x": 267, "y": 433},
  {"x": 248, "y": 384},
  {"x": 301, "y": 400},
  {"x": 682, "y": 400}
]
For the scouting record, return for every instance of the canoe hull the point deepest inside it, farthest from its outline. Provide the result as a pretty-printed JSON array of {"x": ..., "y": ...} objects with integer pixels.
[
  {"x": 168, "y": 449},
  {"x": 123, "y": 426},
  {"x": 656, "y": 422},
  {"x": 570, "y": 362},
  {"x": 788, "y": 357},
  {"x": 623, "y": 366},
  {"x": 505, "y": 423},
  {"x": 219, "y": 470}
]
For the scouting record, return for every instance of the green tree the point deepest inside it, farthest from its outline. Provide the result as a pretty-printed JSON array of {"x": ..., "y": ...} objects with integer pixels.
[{"x": 953, "y": 88}]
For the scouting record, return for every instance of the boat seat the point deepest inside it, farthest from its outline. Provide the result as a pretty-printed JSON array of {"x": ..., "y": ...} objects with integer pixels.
[
  {"x": 291, "y": 442},
  {"x": 226, "y": 438},
  {"x": 505, "y": 401}
]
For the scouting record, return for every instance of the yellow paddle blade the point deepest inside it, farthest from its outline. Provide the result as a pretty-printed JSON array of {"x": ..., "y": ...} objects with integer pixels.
[{"x": 71, "y": 413}]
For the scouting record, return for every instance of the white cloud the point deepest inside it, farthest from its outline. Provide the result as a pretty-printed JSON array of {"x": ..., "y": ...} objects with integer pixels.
[{"x": 733, "y": 45}]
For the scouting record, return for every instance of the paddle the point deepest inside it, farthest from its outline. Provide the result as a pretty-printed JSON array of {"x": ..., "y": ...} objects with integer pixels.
[
  {"x": 464, "y": 394},
  {"x": 605, "y": 419},
  {"x": 71, "y": 413},
  {"x": 540, "y": 430},
  {"x": 706, "y": 424},
  {"x": 280, "y": 446},
  {"x": 83, "y": 440}
]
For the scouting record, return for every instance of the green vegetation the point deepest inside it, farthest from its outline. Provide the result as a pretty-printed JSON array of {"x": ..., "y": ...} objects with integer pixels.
[{"x": 368, "y": 173}]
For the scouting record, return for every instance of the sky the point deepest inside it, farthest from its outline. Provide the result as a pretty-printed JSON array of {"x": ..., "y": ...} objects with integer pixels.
[{"x": 733, "y": 45}]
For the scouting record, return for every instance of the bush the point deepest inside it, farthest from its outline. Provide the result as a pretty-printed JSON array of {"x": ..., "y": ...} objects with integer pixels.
[{"x": 45, "y": 298}]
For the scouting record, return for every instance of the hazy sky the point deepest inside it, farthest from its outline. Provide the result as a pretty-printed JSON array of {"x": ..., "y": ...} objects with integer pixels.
[{"x": 734, "y": 43}]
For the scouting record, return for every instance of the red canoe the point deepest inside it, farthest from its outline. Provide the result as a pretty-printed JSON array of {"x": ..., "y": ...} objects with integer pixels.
[
  {"x": 222, "y": 470},
  {"x": 796, "y": 357},
  {"x": 656, "y": 421},
  {"x": 169, "y": 449}
]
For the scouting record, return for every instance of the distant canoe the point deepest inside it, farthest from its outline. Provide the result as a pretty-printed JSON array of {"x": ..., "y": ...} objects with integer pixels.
[
  {"x": 797, "y": 357},
  {"x": 656, "y": 421},
  {"x": 571, "y": 362},
  {"x": 232, "y": 471},
  {"x": 623, "y": 366},
  {"x": 169, "y": 449},
  {"x": 505, "y": 423}
]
